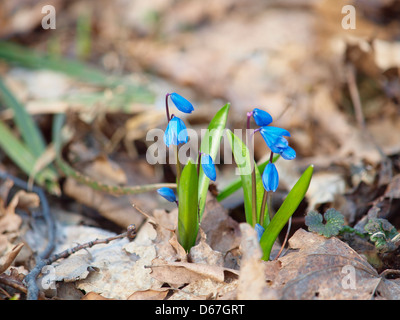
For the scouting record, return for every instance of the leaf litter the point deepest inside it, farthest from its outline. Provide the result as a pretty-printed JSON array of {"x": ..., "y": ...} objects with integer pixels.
[{"x": 304, "y": 77}]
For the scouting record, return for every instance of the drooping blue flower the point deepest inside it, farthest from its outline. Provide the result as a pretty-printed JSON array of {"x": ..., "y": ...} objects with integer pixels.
[
  {"x": 181, "y": 103},
  {"x": 273, "y": 137},
  {"x": 270, "y": 177},
  {"x": 261, "y": 117},
  {"x": 176, "y": 132},
  {"x": 208, "y": 166},
  {"x": 288, "y": 153},
  {"x": 167, "y": 193},
  {"x": 260, "y": 230}
]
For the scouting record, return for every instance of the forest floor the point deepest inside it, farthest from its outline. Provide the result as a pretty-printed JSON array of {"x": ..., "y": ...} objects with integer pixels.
[{"x": 107, "y": 68}]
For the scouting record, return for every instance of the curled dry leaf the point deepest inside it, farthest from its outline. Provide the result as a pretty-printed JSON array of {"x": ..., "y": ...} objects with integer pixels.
[
  {"x": 202, "y": 252},
  {"x": 252, "y": 282},
  {"x": 321, "y": 268},
  {"x": 94, "y": 296},
  {"x": 114, "y": 270},
  {"x": 119, "y": 210},
  {"x": 151, "y": 294},
  {"x": 8, "y": 259},
  {"x": 222, "y": 231}
]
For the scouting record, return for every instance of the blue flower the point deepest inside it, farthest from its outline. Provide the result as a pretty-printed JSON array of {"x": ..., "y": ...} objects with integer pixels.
[
  {"x": 261, "y": 117},
  {"x": 176, "y": 132},
  {"x": 288, "y": 153},
  {"x": 273, "y": 137},
  {"x": 181, "y": 103},
  {"x": 167, "y": 193},
  {"x": 208, "y": 166},
  {"x": 270, "y": 177},
  {"x": 260, "y": 230}
]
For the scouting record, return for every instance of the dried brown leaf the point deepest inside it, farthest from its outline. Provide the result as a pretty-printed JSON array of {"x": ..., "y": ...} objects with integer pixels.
[
  {"x": 6, "y": 261},
  {"x": 94, "y": 296},
  {"x": 252, "y": 281},
  {"x": 179, "y": 273},
  {"x": 321, "y": 268},
  {"x": 203, "y": 253},
  {"x": 151, "y": 294}
]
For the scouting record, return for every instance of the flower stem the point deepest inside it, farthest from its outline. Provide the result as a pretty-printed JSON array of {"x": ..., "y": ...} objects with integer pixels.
[
  {"x": 253, "y": 175},
  {"x": 263, "y": 206},
  {"x": 166, "y": 106},
  {"x": 178, "y": 166},
  {"x": 269, "y": 200},
  {"x": 286, "y": 238},
  {"x": 198, "y": 164}
]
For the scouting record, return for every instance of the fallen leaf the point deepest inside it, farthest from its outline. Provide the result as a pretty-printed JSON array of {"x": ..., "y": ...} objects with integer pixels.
[
  {"x": 151, "y": 294},
  {"x": 8, "y": 259},
  {"x": 222, "y": 231},
  {"x": 94, "y": 296},
  {"x": 114, "y": 270},
  {"x": 321, "y": 268},
  {"x": 180, "y": 273},
  {"x": 203, "y": 253},
  {"x": 252, "y": 281}
]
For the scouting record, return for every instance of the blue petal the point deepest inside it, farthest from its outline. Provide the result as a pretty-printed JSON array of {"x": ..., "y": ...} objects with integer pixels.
[
  {"x": 261, "y": 117},
  {"x": 208, "y": 166},
  {"x": 181, "y": 103},
  {"x": 260, "y": 230},
  {"x": 288, "y": 153},
  {"x": 270, "y": 178},
  {"x": 275, "y": 142},
  {"x": 167, "y": 193},
  {"x": 275, "y": 131},
  {"x": 176, "y": 132}
]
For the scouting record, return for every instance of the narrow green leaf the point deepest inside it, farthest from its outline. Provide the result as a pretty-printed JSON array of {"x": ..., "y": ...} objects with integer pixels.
[
  {"x": 237, "y": 183},
  {"x": 22, "y": 56},
  {"x": 210, "y": 145},
  {"x": 22, "y": 156},
  {"x": 188, "y": 219},
  {"x": 27, "y": 127},
  {"x": 288, "y": 207},
  {"x": 242, "y": 158}
]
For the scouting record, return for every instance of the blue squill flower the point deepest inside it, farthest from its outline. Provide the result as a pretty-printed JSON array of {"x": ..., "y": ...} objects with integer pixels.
[
  {"x": 208, "y": 166},
  {"x": 176, "y": 132},
  {"x": 260, "y": 230},
  {"x": 273, "y": 136},
  {"x": 181, "y": 103},
  {"x": 288, "y": 153},
  {"x": 261, "y": 117},
  {"x": 270, "y": 178},
  {"x": 167, "y": 193}
]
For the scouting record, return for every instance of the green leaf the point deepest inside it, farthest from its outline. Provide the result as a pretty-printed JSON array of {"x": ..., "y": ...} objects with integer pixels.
[
  {"x": 19, "y": 55},
  {"x": 27, "y": 127},
  {"x": 237, "y": 184},
  {"x": 242, "y": 158},
  {"x": 286, "y": 210},
  {"x": 334, "y": 222},
  {"x": 210, "y": 145},
  {"x": 188, "y": 219},
  {"x": 22, "y": 156}
]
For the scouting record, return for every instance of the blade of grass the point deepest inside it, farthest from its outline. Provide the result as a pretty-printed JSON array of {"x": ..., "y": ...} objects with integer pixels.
[
  {"x": 288, "y": 207},
  {"x": 188, "y": 219},
  {"x": 19, "y": 55},
  {"x": 210, "y": 145},
  {"x": 27, "y": 127},
  {"x": 22, "y": 157},
  {"x": 242, "y": 158}
]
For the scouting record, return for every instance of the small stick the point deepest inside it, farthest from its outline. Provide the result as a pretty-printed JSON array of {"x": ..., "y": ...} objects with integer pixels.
[
  {"x": 130, "y": 234},
  {"x": 286, "y": 237},
  {"x": 30, "y": 278},
  {"x": 33, "y": 290}
]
